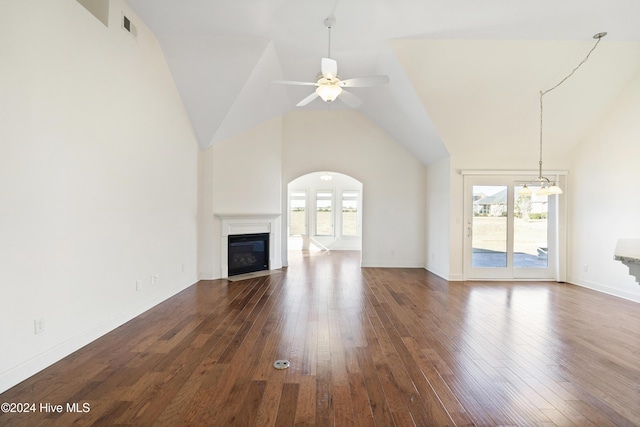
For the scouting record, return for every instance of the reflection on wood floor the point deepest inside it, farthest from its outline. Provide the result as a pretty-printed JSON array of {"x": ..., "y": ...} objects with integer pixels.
[{"x": 367, "y": 346}]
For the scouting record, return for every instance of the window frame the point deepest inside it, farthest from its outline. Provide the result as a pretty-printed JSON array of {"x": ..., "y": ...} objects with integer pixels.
[
  {"x": 331, "y": 199},
  {"x": 357, "y": 200},
  {"x": 306, "y": 210}
]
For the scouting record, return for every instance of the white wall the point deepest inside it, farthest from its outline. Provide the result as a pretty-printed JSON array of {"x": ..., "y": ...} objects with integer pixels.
[
  {"x": 207, "y": 253},
  {"x": 603, "y": 203},
  {"x": 438, "y": 218},
  {"x": 241, "y": 175},
  {"x": 97, "y": 182},
  {"x": 280, "y": 150},
  {"x": 345, "y": 141},
  {"x": 597, "y": 215}
]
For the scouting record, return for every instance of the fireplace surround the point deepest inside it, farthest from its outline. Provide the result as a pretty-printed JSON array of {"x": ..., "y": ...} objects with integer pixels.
[{"x": 247, "y": 224}]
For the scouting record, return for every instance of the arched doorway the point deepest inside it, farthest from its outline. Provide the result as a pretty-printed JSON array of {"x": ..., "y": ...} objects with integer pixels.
[{"x": 324, "y": 213}]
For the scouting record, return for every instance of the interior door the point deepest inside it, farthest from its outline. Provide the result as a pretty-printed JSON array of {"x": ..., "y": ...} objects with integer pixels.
[{"x": 508, "y": 235}]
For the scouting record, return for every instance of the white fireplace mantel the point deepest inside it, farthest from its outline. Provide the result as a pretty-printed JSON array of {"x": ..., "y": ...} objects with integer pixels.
[{"x": 237, "y": 224}]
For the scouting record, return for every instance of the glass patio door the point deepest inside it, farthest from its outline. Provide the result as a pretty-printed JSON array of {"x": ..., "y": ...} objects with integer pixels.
[{"x": 508, "y": 235}]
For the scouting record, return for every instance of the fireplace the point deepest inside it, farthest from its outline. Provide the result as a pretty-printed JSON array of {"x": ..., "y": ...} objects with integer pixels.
[
  {"x": 247, "y": 224},
  {"x": 248, "y": 253}
]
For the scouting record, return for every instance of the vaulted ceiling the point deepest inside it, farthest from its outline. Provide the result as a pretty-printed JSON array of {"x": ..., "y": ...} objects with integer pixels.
[{"x": 463, "y": 74}]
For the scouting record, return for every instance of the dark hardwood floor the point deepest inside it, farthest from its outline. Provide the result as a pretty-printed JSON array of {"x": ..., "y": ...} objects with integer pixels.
[{"x": 384, "y": 347}]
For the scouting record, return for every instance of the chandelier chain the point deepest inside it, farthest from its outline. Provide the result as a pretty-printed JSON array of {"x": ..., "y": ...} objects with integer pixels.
[
  {"x": 586, "y": 58},
  {"x": 543, "y": 93}
]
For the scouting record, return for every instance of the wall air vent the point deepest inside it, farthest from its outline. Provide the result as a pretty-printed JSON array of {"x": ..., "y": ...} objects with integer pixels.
[{"x": 128, "y": 26}]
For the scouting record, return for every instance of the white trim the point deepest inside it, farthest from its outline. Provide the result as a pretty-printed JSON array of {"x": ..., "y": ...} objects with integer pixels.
[
  {"x": 306, "y": 211},
  {"x": 32, "y": 366},
  {"x": 447, "y": 277},
  {"x": 331, "y": 198},
  {"x": 598, "y": 287},
  {"x": 238, "y": 224},
  {"x": 556, "y": 268},
  {"x": 511, "y": 172},
  {"x": 384, "y": 263},
  {"x": 358, "y": 200}
]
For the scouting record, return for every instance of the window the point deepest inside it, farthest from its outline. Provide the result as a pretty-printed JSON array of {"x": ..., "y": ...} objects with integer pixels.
[
  {"x": 350, "y": 213},
  {"x": 324, "y": 213},
  {"x": 298, "y": 213}
]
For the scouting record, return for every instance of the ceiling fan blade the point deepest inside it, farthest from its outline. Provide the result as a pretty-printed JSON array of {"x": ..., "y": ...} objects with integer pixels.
[
  {"x": 350, "y": 99},
  {"x": 329, "y": 68},
  {"x": 292, "y": 82},
  {"x": 307, "y": 100},
  {"x": 365, "y": 81}
]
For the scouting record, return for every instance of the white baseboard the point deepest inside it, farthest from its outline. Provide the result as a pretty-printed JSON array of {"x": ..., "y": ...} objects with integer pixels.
[
  {"x": 206, "y": 276},
  {"x": 37, "y": 363},
  {"x": 389, "y": 265},
  {"x": 604, "y": 289}
]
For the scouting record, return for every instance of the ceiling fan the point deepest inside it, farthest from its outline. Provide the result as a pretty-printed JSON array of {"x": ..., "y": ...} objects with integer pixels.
[{"x": 329, "y": 86}]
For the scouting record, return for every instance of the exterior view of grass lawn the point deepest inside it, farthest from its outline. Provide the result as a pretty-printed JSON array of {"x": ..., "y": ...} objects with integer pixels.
[{"x": 489, "y": 242}]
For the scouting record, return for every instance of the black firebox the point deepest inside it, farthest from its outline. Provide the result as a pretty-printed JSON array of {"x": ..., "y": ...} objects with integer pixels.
[{"x": 248, "y": 253}]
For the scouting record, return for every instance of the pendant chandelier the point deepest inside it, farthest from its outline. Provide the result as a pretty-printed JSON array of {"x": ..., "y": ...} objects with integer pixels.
[
  {"x": 547, "y": 186},
  {"x": 326, "y": 176}
]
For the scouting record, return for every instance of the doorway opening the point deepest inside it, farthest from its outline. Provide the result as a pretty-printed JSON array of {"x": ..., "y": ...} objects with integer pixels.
[{"x": 324, "y": 213}]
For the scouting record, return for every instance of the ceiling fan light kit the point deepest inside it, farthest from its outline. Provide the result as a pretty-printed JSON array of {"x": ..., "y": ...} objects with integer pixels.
[
  {"x": 328, "y": 91},
  {"x": 329, "y": 86},
  {"x": 547, "y": 186}
]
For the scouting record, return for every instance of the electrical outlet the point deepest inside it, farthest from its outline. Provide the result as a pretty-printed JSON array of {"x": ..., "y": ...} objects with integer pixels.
[
  {"x": 38, "y": 325},
  {"x": 585, "y": 268},
  {"x": 138, "y": 285}
]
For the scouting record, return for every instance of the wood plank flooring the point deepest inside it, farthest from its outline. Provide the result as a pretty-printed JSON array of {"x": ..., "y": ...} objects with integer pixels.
[{"x": 368, "y": 347}]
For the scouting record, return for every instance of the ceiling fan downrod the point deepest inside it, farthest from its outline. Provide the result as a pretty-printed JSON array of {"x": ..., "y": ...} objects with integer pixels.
[{"x": 329, "y": 23}]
